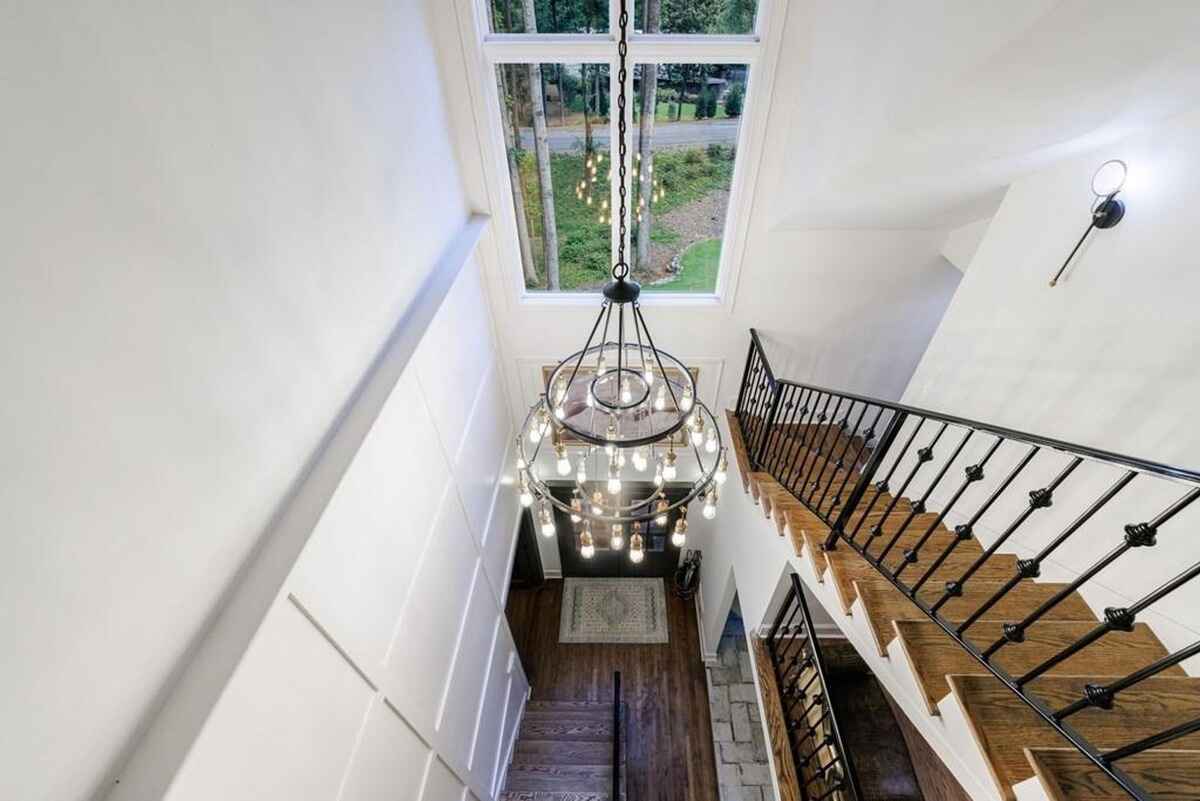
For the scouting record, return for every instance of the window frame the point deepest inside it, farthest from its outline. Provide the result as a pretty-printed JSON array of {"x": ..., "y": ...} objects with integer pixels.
[{"x": 751, "y": 50}]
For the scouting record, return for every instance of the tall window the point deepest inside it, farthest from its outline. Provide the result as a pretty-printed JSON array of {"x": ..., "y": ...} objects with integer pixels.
[{"x": 555, "y": 73}]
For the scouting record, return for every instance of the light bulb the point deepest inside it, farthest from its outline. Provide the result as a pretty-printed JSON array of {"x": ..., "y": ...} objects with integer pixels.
[
  {"x": 617, "y": 540},
  {"x": 581, "y": 469},
  {"x": 564, "y": 464},
  {"x": 597, "y": 503},
  {"x": 698, "y": 436},
  {"x": 648, "y": 377},
  {"x": 678, "y": 540},
  {"x": 636, "y": 549},
  {"x": 620, "y": 458},
  {"x": 610, "y": 434},
  {"x": 526, "y": 495},
  {"x": 560, "y": 412},
  {"x": 590, "y": 399},
  {"x": 614, "y": 478},
  {"x": 685, "y": 402},
  {"x": 710, "y": 504},
  {"x": 626, "y": 392},
  {"x": 576, "y": 508},
  {"x": 521, "y": 464},
  {"x": 535, "y": 434},
  {"x": 722, "y": 469},
  {"x": 669, "y": 470},
  {"x": 660, "y": 399},
  {"x": 658, "y": 474},
  {"x": 547, "y": 519},
  {"x": 660, "y": 508},
  {"x": 640, "y": 460},
  {"x": 679, "y": 536},
  {"x": 601, "y": 365},
  {"x": 587, "y": 548}
]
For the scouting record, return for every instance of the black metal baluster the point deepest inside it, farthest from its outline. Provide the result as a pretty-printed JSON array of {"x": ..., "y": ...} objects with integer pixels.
[
  {"x": 919, "y": 506},
  {"x": 840, "y": 463},
  {"x": 808, "y": 411},
  {"x": 819, "y": 453},
  {"x": 973, "y": 473},
  {"x": 1115, "y": 619},
  {"x": 966, "y": 531},
  {"x": 810, "y": 444},
  {"x": 884, "y": 485},
  {"x": 867, "y": 438},
  {"x": 924, "y": 455},
  {"x": 1103, "y": 695},
  {"x": 1137, "y": 535},
  {"x": 787, "y": 405},
  {"x": 1032, "y": 568}
]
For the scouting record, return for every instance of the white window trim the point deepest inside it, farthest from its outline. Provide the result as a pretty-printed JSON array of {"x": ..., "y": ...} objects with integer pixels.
[{"x": 484, "y": 50}]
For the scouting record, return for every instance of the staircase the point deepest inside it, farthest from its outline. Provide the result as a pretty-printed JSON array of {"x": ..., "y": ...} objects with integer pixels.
[
  {"x": 1089, "y": 708},
  {"x": 565, "y": 752}
]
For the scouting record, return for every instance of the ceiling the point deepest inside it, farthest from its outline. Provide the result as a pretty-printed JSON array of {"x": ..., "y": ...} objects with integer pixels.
[{"x": 919, "y": 114}]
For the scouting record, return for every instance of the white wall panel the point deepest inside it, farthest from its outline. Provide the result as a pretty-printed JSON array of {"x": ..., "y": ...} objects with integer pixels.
[
  {"x": 286, "y": 724},
  {"x": 390, "y": 762},
  {"x": 491, "y": 718},
  {"x": 518, "y": 690},
  {"x": 420, "y": 658},
  {"x": 456, "y": 730},
  {"x": 500, "y": 542},
  {"x": 454, "y": 356},
  {"x": 479, "y": 464},
  {"x": 355, "y": 572},
  {"x": 442, "y": 784}
]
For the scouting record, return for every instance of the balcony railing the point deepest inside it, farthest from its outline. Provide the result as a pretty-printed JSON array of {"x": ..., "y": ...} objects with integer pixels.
[
  {"x": 855, "y": 462},
  {"x": 824, "y": 768}
]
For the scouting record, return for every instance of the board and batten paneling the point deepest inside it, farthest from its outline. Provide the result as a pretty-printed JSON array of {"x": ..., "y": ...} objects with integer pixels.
[{"x": 385, "y": 668}]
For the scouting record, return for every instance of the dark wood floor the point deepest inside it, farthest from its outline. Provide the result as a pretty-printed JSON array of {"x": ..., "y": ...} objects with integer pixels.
[{"x": 669, "y": 754}]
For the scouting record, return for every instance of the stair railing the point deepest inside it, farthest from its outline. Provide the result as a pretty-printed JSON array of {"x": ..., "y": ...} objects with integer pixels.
[
  {"x": 616, "y": 753},
  {"x": 855, "y": 462},
  {"x": 824, "y": 767}
]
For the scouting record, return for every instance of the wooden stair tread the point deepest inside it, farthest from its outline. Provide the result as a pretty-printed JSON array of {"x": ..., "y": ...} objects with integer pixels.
[
  {"x": 564, "y": 752},
  {"x": 567, "y": 730},
  {"x": 1004, "y": 726},
  {"x": 595, "y": 778},
  {"x": 933, "y": 655},
  {"x": 883, "y": 603},
  {"x": 1166, "y": 774},
  {"x": 777, "y": 731}
]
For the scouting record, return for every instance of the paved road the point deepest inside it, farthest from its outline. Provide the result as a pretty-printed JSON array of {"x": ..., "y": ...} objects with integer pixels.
[{"x": 671, "y": 134}]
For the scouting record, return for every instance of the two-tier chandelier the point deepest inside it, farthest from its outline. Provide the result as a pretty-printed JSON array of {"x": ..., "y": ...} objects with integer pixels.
[{"x": 618, "y": 408}]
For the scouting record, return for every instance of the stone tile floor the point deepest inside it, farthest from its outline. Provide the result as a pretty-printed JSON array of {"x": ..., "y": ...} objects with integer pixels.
[{"x": 743, "y": 772}]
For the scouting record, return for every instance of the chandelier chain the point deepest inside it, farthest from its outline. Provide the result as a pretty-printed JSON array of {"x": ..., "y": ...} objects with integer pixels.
[{"x": 621, "y": 269}]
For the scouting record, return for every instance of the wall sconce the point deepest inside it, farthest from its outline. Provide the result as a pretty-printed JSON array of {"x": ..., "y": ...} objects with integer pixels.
[{"x": 1107, "y": 211}]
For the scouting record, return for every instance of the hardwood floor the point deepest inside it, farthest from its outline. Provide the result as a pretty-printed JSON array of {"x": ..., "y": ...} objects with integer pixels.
[{"x": 669, "y": 749}]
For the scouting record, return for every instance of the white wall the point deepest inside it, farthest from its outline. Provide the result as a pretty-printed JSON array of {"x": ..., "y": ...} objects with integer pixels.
[
  {"x": 1107, "y": 358},
  {"x": 214, "y": 215},
  {"x": 385, "y": 664}
]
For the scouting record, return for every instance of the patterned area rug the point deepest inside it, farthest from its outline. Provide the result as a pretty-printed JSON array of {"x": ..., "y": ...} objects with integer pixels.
[{"x": 627, "y": 610}]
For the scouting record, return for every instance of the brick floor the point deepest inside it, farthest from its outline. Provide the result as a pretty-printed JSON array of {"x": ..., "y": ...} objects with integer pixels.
[{"x": 742, "y": 770}]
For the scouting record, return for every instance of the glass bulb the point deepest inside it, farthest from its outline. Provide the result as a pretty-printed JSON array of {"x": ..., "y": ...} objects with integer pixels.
[
  {"x": 597, "y": 503},
  {"x": 526, "y": 495},
  {"x": 576, "y": 509},
  {"x": 620, "y": 458},
  {"x": 658, "y": 474},
  {"x": 640, "y": 459},
  {"x": 614, "y": 479},
  {"x": 710, "y": 505},
  {"x": 685, "y": 402},
  {"x": 535, "y": 434},
  {"x": 669, "y": 470},
  {"x": 591, "y": 399},
  {"x": 636, "y": 549},
  {"x": 660, "y": 399},
  {"x": 587, "y": 548},
  {"x": 626, "y": 392},
  {"x": 722, "y": 470},
  {"x": 1109, "y": 178},
  {"x": 617, "y": 540},
  {"x": 648, "y": 376},
  {"x": 560, "y": 412},
  {"x": 564, "y": 464},
  {"x": 660, "y": 509},
  {"x": 697, "y": 436},
  {"x": 678, "y": 539},
  {"x": 581, "y": 470},
  {"x": 601, "y": 365},
  {"x": 710, "y": 440}
]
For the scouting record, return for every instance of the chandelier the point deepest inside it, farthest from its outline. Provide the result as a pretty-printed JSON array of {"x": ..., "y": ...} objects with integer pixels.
[{"x": 615, "y": 410}]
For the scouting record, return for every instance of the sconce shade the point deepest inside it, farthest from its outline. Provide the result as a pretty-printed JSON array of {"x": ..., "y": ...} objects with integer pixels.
[{"x": 1109, "y": 178}]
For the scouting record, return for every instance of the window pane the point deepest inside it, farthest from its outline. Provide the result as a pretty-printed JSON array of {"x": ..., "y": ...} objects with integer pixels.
[
  {"x": 549, "y": 16},
  {"x": 555, "y": 120},
  {"x": 683, "y": 162},
  {"x": 694, "y": 16}
]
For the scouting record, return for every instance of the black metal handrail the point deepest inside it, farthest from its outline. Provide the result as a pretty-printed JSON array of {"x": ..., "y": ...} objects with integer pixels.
[
  {"x": 616, "y": 754},
  {"x": 823, "y": 765},
  {"x": 858, "y": 463}
]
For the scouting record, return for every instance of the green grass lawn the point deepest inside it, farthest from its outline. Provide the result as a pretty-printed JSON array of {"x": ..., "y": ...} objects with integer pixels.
[
  {"x": 583, "y": 242},
  {"x": 662, "y": 112},
  {"x": 697, "y": 269}
]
